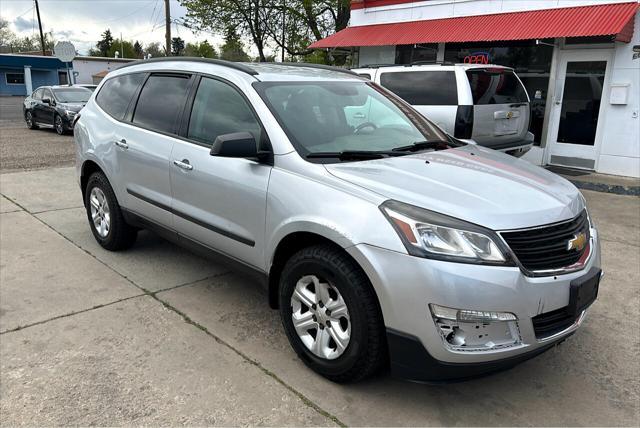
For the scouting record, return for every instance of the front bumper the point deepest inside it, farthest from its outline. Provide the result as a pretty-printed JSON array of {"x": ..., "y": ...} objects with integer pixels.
[{"x": 406, "y": 285}]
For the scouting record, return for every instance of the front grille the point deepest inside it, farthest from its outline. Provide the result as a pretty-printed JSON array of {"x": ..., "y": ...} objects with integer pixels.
[
  {"x": 553, "y": 322},
  {"x": 546, "y": 247}
]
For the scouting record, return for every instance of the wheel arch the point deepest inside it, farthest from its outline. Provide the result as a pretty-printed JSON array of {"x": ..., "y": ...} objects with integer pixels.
[
  {"x": 294, "y": 242},
  {"x": 89, "y": 167}
]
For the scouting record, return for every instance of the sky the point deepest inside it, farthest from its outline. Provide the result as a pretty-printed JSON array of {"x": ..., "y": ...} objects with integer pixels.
[{"x": 83, "y": 21}]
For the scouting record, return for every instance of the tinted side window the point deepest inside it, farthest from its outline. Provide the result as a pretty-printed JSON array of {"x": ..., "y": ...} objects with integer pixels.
[
  {"x": 160, "y": 102},
  {"x": 423, "y": 88},
  {"x": 495, "y": 87},
  {"x": 46, "y": 93},
  {"x": 219, "y": 109},
  {"x": 37, "y": 94},
  {"x": 116, "y": 93}
]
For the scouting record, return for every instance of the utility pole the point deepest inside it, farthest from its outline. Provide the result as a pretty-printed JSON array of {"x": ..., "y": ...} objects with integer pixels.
[
  {"x": 284, "y": 40},
  {"x": 167, "y": 20},
  {"x": 40, "y": 25},
  {"x": 121, "y": 44}
]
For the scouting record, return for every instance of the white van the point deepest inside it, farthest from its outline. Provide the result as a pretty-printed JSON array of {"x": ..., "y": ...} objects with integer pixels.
[{"x": 483, "y": 104}]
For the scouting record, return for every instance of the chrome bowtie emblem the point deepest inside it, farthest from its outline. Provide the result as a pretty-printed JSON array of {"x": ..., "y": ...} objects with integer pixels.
[
  {"x": 578, "y": 242},
  {"x": 509, "y": 114}
]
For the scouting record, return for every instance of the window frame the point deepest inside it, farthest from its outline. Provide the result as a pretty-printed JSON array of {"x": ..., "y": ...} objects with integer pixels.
[
  {"x": 180, "y": 116},
  {"x": 33, "y": 94},
  {"x": 134, "y": 96},
  {"x": 6, "y": 78},
  {"x": 265, "y": 143}
]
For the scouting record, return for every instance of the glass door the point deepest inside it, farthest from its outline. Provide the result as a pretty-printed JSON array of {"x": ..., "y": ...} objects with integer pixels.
[{"x": 581, "y": 89}]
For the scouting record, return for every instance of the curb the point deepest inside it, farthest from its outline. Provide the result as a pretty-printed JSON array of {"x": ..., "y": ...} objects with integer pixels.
[{"x": 606, "y": 188}]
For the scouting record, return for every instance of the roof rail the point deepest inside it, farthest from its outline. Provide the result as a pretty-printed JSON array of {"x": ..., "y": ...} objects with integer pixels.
[
  {"x": 235, "y": 65},
  {"x": 312, "y": 65},
  {"x": 377, "y": 65}
]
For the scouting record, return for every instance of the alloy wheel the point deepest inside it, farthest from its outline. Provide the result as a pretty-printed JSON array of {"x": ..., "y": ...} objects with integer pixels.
[
  {"x": 320, "y": 317},
  {"x": 59, "y": 126},
  {"x": 100, "y": 213},
  {"x": 29, "y": 119}
]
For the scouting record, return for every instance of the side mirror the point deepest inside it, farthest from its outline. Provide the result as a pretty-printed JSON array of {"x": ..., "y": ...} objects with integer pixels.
[
  {"x": 235, "y": 145},
  {"x": 46, "y": 100}
]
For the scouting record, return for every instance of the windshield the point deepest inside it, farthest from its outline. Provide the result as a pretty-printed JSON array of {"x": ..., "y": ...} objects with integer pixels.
[
  {"x": 72, "y": 95},
  {"x": 335, "y": 117}
]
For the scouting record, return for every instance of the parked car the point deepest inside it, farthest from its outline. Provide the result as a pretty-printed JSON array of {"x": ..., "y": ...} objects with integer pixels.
[
  {"x": 54, "y": 107},
  {"x": 378, "y": 237},
  {"x": 88, "y": 86},
  {"x": 483, "y": 104}
]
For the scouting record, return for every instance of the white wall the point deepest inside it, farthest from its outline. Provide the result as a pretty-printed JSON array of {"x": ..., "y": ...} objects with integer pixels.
[
  {"x": 87, "y": 68},
  {"x": 620, "y": 147},
  {"x": 435, "y": 9}
]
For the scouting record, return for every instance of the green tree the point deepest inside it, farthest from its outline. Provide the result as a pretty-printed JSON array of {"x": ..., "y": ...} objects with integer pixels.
[
  {"x": 249, "y": 18},
  {"x": 177, "y": 46},
  {"x": 154, "y": 50},
  {"x": 202, "y": 49},
  {"x": 125, "y": 50},
  {"x": 137, "y": 49},
  {"x": 233, "y": 48},
  {"x": 104, "y": 45}
]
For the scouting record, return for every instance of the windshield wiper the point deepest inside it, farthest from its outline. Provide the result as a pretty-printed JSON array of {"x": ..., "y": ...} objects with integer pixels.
[
  {"x": 353, "y": 154},
  {"x": 424, "y": 145}
]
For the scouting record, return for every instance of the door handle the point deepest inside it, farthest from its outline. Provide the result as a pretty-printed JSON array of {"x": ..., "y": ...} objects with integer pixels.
[
  {"x": 183, "y": 164},
  {"x": 122, "y": 144}
]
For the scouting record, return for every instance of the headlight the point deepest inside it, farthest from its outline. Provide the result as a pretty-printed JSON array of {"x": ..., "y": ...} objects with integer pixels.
[{"x": 432, "y": 235}]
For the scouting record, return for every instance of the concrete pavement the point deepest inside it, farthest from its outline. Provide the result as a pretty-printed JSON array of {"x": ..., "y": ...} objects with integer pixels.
[{"x": 156, "y": 335}]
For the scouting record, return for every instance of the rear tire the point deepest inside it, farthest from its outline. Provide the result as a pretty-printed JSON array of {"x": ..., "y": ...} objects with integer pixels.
[
  {"x": 28, "y": 118},
  {"x": 358, "y": 323},
  {"x": 105, "y": 216}
]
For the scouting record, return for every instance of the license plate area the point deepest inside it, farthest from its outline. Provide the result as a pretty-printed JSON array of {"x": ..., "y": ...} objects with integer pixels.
[{"x": 584, "y": 291}]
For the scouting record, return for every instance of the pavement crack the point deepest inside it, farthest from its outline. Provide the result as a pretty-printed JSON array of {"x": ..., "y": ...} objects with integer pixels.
[
  {"x": 253, "y": 362},
  {"x": 188, "y": 320},
  {"x": 70, "y": 314}
]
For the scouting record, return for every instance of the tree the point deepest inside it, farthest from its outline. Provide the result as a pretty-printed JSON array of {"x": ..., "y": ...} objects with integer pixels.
[
  {"x": 248, "y": 17},
  {"x": 202, "y": 49},
  {"x": 154, "y": 50},
  {"x": 233, "y": 48},
  {"x": 177, "y": 46},
  {"x": 105, "y": 44},
  {"x": 125, "y": 49},
  {"x": 137, "y": 49}
]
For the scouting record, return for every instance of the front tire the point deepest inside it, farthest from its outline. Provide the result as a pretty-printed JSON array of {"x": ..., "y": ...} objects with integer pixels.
[
  {"x": 28, "y": 118},
  {"x": 105, "y": 216},
  {"x": 58, "y": 125},
  {"x": 331, "y": 315}
]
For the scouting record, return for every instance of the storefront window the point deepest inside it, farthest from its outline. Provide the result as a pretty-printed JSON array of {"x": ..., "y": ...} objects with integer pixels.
[
  {"x": 412, "y": 54},
  {"x": 531, "y": 62}
]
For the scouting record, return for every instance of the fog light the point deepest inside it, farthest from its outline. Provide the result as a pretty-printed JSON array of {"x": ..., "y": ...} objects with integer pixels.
[{"x": 471, "y": 330}]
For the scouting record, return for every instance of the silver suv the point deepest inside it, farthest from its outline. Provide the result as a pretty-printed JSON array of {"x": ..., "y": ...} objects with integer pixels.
[
  {"x": 383, "y": 241},
  {"x": 483, "y": 104}
]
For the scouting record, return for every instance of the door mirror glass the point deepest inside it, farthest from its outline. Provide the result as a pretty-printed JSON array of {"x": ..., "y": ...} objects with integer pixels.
[
  {"x": 46, "y": 100},
  {"x": 235, "y": 145}
]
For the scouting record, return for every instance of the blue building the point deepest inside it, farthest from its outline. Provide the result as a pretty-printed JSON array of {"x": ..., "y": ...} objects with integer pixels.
[{"x": 21, "y": 74}]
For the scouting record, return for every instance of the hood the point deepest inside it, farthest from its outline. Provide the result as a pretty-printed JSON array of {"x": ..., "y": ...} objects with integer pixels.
[
  {"x": 472, "y": 183},
  {"x": 72, "y": 106}
]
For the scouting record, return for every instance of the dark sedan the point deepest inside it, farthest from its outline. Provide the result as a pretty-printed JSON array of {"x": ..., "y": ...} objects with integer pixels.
[{"x": 55, "y": 107}]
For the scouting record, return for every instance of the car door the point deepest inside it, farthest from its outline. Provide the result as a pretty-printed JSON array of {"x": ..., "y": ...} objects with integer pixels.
[
  {"x": 143, "y": 147},
  {"x": 220, "y": 201},
  {"x": 32, "y": 101},
  {"x": 43, "y": 112}
]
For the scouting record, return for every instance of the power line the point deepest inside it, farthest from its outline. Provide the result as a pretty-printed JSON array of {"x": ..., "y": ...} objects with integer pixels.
[{"x": 125, "y": 16}]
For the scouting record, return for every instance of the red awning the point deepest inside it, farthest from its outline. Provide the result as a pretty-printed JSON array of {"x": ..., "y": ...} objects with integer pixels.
[{"x": 599, "y": 20}]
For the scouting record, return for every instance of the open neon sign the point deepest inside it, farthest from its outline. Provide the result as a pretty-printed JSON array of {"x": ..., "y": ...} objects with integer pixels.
[{"x": 477, "y": 58}]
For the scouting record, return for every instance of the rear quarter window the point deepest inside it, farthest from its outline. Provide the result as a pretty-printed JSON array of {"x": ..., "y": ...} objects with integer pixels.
[
  {"x": 116, "y": 93},
  {"x": 502, "y": 87},
  {"x": 423, "y": 87}
]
